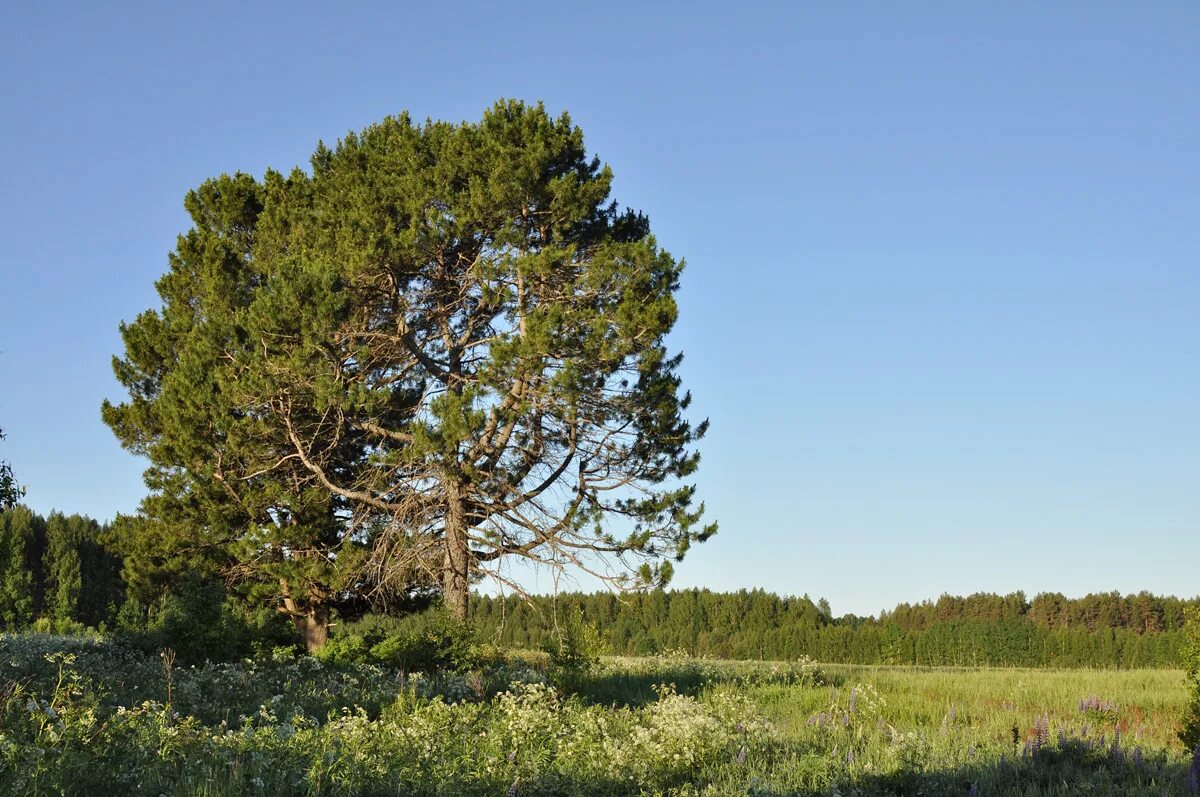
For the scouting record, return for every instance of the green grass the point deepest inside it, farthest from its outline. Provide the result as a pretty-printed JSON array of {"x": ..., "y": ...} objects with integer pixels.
[{"x": 96, "y": 721}]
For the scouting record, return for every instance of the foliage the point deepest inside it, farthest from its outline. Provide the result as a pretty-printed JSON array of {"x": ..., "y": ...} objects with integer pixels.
[
  {"x": 1190, "y": 733},
  {"x": 88, "y": 717},
  {"x": 979, "y": 630},
  {"x": 574, "y": 650},
  {"x": 442, "y": 347},
  {"x": 55, "y": 568},
  {"x": 427, "y": 641},
  {"x": 10, "y": 491},
  {"x": 199, "y": 622}
]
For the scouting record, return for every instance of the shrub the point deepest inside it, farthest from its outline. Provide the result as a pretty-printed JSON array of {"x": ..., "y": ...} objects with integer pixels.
[
  {"x": 575, "y": 652},
  {"x": 200, "y": 623},
  {"x": 426, "y": 642},
  {"x": 1190, "y": 734}
]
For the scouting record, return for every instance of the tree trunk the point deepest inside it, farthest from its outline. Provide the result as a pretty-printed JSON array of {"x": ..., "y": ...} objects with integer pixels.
[
  {"x": 312, "y": 621},
  {"x": 314, "y": 628},
  {"x": 456, "y": 568}
]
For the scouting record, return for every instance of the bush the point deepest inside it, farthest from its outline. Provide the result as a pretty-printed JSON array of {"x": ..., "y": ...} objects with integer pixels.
[
  {"x": 1190, "y": 734},
  {"x": 575, "y": 652},
  {"x": 65, "y": 626},
  {"x": 426, "y": 642},
  {"x": 200, "y": 623}
]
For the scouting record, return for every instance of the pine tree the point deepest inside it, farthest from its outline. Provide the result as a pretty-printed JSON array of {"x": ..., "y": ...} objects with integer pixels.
[{"x": 443, "y": 348}]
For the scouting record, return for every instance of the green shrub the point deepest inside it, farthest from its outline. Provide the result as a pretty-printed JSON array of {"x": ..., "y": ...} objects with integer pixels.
[
  {"x": 200, "y": 623},
  {"x": 1190, "y": 733},
  {"x": 426, "y": 642},
  {"x": 574, "y": 652},
  {"x": 65, "y": 626}
]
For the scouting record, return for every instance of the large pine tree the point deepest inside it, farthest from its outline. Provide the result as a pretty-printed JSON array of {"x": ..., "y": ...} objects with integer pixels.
[{"x": 442, "y": 348}]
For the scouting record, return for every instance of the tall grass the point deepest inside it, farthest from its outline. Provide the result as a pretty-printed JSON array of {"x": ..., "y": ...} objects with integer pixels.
[{"x": 89, "y": 717}]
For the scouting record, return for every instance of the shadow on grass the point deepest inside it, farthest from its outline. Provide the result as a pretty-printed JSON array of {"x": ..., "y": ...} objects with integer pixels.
[
  {"x": 634, "y": 688},
  {"x": 1071, "y": 770}
]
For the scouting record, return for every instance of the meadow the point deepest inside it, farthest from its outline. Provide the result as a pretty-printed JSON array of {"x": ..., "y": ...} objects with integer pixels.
[{"x": 88, "y": 716}]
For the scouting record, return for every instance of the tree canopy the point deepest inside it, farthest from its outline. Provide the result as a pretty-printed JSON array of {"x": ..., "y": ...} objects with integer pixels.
[
  {"x": 443, "y": 347},
  {"x": 10, "y": 491}
]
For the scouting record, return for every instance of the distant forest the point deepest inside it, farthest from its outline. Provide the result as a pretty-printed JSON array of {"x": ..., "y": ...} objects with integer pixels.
[
  {"x": 1100, "y": 630},
  {"x": 57, "y": 573}
]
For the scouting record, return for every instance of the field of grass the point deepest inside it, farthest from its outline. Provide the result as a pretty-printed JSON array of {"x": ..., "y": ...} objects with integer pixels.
[{"x": 82, "y": 717}]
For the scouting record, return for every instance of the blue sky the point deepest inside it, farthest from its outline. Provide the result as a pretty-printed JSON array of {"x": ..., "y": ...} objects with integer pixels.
[{"x": 941, "y": 302}]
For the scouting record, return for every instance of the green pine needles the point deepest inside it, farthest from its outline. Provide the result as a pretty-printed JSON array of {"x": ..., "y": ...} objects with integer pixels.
[{"x": 443, "y": 348}]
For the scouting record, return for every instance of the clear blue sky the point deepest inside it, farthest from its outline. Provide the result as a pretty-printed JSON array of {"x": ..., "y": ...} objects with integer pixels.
[{"x": 943, "y": 298}]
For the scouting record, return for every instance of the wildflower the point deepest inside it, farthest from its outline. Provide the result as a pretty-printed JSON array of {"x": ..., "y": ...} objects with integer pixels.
[
  {"x": 1041, "y": 733},
  {"x": 973, "y": 791},
  {"x": 741, "y": 756}
]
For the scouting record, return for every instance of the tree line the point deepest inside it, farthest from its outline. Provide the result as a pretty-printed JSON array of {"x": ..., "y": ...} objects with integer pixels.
[
  {"x": 56, "y": 569},
  {"x": 64, "y": 572},
  {"x": 1104, "y": 630}
]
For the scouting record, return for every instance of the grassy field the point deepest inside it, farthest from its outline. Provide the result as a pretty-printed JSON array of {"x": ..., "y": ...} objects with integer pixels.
[{"x": 90, "y": 717}]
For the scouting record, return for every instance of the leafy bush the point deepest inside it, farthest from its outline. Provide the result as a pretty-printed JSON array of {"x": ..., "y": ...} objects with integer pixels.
[
  {"x": 575, "y": 652},
  {"x": 201, "y": 623},
  {"x": 425, "y": 642},
  {"x": 1190, "y": 734},
  {"x": 65, "y": 626}
]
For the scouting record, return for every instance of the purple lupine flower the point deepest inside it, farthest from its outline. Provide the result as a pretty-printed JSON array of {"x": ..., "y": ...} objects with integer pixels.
[
  {"x": 849, "y": 757},
  {"x": 845, "y": 720},
  {"x": 512, "y": 790},
  {"x": 973, "y": 791},
  {"x": 741, "y": 756},
  {"x": 1027, "y": 751},
  {"x": 1041, "y": 732},
  {"x": 1194, "y": 771},
  {"x": 1139, "y": 759},
  {"x": 853, "y": 699},
  {"x": 1096, "y": 703}
]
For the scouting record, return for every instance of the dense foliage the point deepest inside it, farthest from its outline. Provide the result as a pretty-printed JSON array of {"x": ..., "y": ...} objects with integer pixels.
[
  {"x": 443, "y": 347},
  {"x": 56, "y": 569},
  {"x": 1095, "y": 631},
  {"x": 10, "y": 491},
  {"x": 57, "y": 572},
  {"x": 1190, "y": 733},
  {"x": 82, "y": 717}
]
